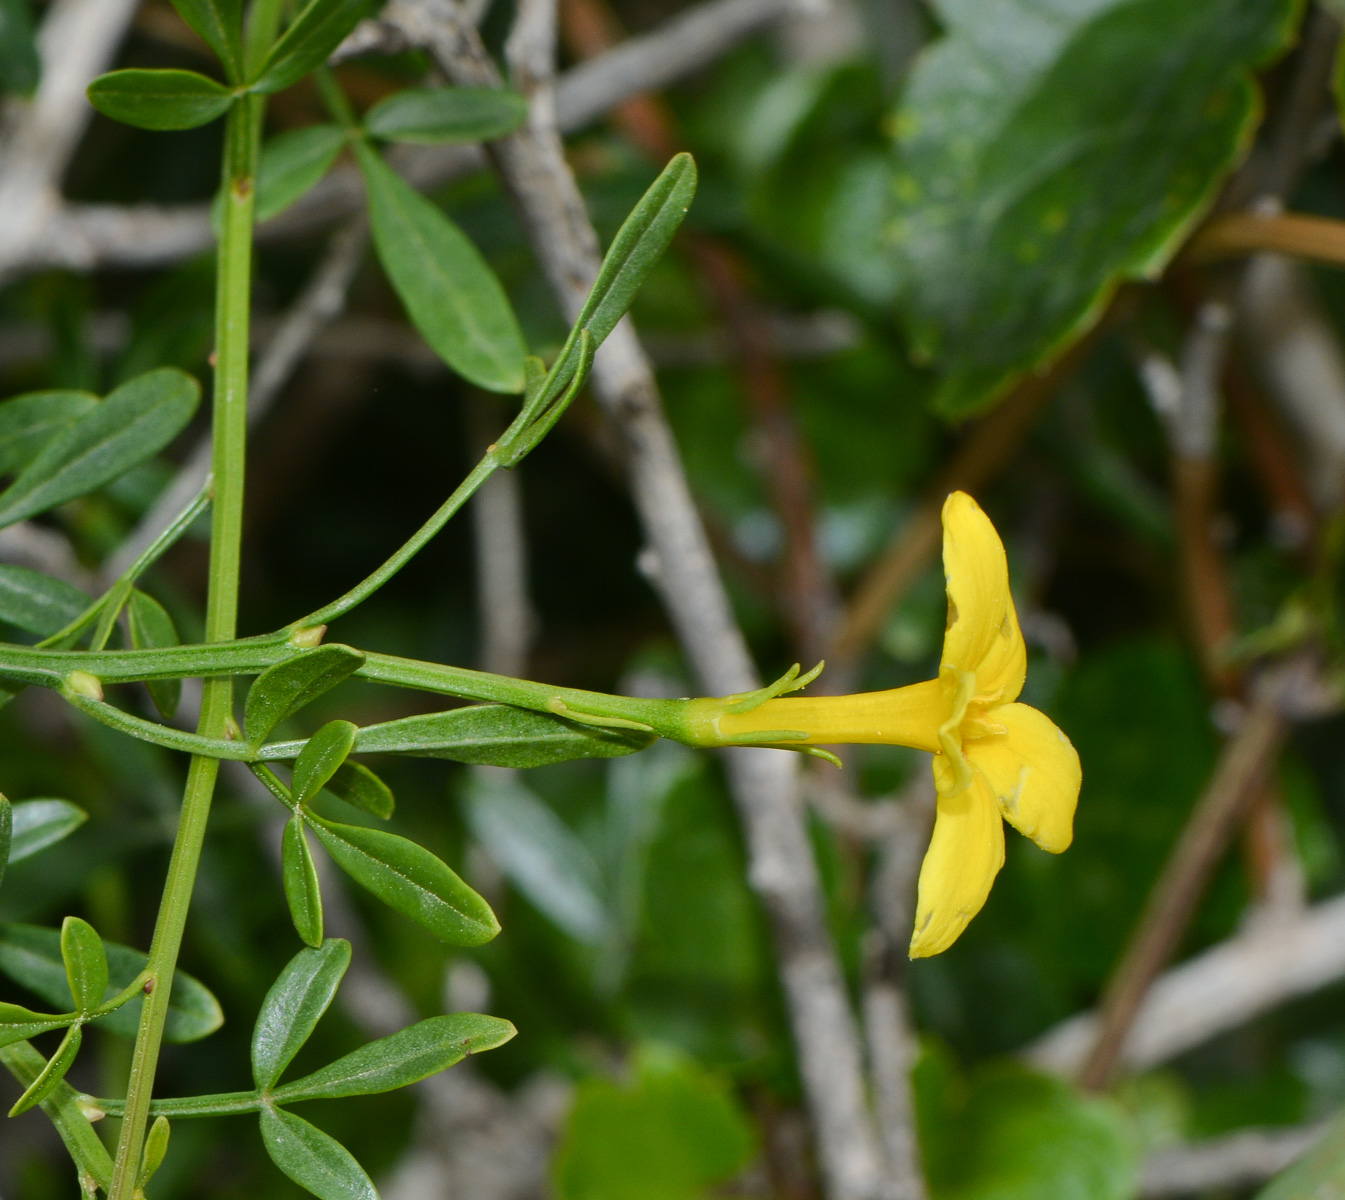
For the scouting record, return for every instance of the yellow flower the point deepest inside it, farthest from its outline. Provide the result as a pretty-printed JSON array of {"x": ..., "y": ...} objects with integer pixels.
[{"x": 993, "y": 757}]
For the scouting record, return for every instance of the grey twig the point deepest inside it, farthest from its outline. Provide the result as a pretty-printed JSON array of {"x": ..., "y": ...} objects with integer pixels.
[{"x": 1226, "y": 1164}]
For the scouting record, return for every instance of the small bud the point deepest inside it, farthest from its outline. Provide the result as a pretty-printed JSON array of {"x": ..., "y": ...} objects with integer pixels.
[
  {"x": 90, "y": 1110},
  {"x": 81, "y": 683},
  {"x": 149, "y": 986},
  {"x": 232, "y": 731},
  {"x": 306, "y": 639}
]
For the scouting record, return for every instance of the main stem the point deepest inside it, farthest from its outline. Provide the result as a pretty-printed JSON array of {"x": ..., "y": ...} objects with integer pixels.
[{"x": 232, "y": 309}]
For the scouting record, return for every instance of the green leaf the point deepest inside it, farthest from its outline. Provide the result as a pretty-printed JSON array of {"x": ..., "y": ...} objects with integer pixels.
[
  {"x": 300, "y": 995},
  {"x": 323, "y": 753},
  {"x": 218, "y": 23},
  {"x": 356, "y": 784},
  {"x": 52, "y": 1073},
  {"x": 314, "y": 34},
  {"x": 498, "y": 735},
  {"x": 281, "y": 691},
  {"x": 156, "y": 1149},
  {"x": 41, "y": 823},
  {"x": 28, "y": 422},
  {"x": 313, "y": 1159},
  {"x": 20, "y": 66},
  {"x": 450, "y": 293},
  {"x": 160, "y": 100},
  {"x": 17, "y": 1023},
  {"x": 6, "y": 833},
  {"x": 401, "y": 1059},
  {"x": 31, "y": 955},
  {"x": 134, "y": 423},
  {"x": 1318, "y": 1175},
  {"x": 37, "y": 603},
  {"x": 431, "y": 115},
  {"x": 410, "y": 879},
  {"x": 293, "y": 162},
  {"x": 85, "y": 963},
  {"x": 1046, "y": 157},
  {"x": 303, "y": 893},
  {"x": 152, "y": 627}
]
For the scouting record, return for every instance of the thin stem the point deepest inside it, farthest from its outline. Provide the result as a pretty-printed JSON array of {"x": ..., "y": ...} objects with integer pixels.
[
  {"x": 221, "y": 1104},
  {"x": 233, "y": 302}
]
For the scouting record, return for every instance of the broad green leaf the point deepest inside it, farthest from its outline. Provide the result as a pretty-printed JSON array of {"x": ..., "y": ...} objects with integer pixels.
[
  {"x": 539, "y": 853},
  {"x": 433, "y": 115},
  {"x": 303, "y": 893},
  {"x": 320, "y": 758},
  {"x": 410, "y": 879},
  {"x": 1318, "y": 1175},
  {"x": 37, "y": 603},
  {"x": 161, "y": 100},
  {"x": 356, "y": 784},
  {"x": 402, "y": 1058},
  {"x": 300, "y": 995},
  {"x": 315, "y": 1160},
  {"x": 18, "y": 1023},
  {"x": 85, "y": 963},
  {"x": 156, "y": 1150},
  {"x": 1046, "y": 155},
  {"x": 293, "y": 162},
  {"x": 314, "y": 34},
  {"x": 281, "y": 691},
  {"x": 498, "y": 735},
  {"x": 31, "y": 955},
  {"x": 218, "y": 23},
  {"x": 6, "y": 833},
  {"x": 451, "y": 295},
  {"x": 20, "y": 66},
  {"x": 52, "y": 1073},
  {"x": 28, "y": 422},
  {"x": 134, "y": 423},
  {"x": 41, "y": 823},
  {"x": 152, "y": 627}
]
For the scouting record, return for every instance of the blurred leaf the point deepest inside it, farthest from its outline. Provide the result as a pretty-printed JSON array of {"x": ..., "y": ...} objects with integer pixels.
[
  {"x": 451, "y": 295},
  {"x": 357, "y": 785},
  {"x": 156, "y": 1150},
  {"x": 41, "y": 823},
  {"x": 671, "y": 1135},
  {"x": 410, "y": 879},
  {"x": 497, "y": 735},
  {"x": 31, "y": 955},
  {"x": 303, "y": 893},
  {"x": 6, "y": 833},
  {"x": 300, "y": 995},
  {"x": 218, "y": 23},
  {"x": 320, "y": 758},
  {"x": 1318, "y": 1175},
  {"x": 28, "y": 422},
  {"x": 293, "y": 162},
  {"x": 539, "y": 854},
  {"x": 460, "y": 114},
  {"x": 314, "y": 34},
  {"x": 1047, "y": 156},
  {"x": 52, "y": 1073},
  {"x": 20, "y": 66},
  {"x": 313, "y": 1159},
  {"x": 281, "y": 691},
  {"x": 85, "y": 963},
  {"x": 133, "y": 424},
  {"x": 152, "y": 627},
  {"x": 402, "y": 1058},
  {"x": 160, "y": 100},
  {"x": 37, "y": 603}
]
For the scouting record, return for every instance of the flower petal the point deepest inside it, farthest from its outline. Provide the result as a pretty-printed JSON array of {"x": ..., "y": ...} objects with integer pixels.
[
  {"x": 1033, "y": 772},
  {"x": 983, "y": 634},
  {"x": 964, "y": 856}
]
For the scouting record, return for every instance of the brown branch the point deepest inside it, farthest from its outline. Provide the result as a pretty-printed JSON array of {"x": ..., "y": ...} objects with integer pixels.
[{"x": 1300, "y": 235}]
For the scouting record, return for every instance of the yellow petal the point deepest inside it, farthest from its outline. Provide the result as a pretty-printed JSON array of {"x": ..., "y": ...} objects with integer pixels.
[
  {"x": 1033, "y": 772},
  {"x": 983, "y": 634},
  {"x": 964, "y": 856}
]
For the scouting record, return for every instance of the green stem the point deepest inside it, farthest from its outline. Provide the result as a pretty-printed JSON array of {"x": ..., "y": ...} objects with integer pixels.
[
  {"x": 221, "y": 1104},
  {"x": 232, "y": 311}
]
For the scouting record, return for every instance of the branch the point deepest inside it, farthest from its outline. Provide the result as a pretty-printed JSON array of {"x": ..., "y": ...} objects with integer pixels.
[{"x": 1240, "y": 1160}]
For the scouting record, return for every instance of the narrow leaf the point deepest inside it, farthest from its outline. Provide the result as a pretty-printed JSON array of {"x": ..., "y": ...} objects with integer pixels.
[
  {"x": 40, "y": 823},
  {"x": 431, "y": 115},
  {"x": 37, "y": 603},
  {"x": 52, "y": 1073},
  {"x": 218, "y": 23},
  {"x": 294, "y": 1005},
  {"x": 281, "y": 691},
  {"x": 85, "y": 963},
  {"x": 450, "y": 293},
  {"x": 28, "y": 422},
  {"x": 356, "y": 784},
  {"x": 152, "y": 627},
  {"x": 293, "y": 162},
  {"x": 410, "y": 879},
  {"x": 315, "y": 1160},
  {"x": 6, "y": 833},
  {"x": 134, "y": 423},
  {"x": 401, "y": 1059},
  {"x": 20, "y": 66},
  {"x": 315, "y": 33},
  {"x": 159, "y": 100},
  {"x": 325, "y": 751},
  {"x": 156, "y": 1149},
  {"x": 303, "y": 893},
  {"x": 17, "y": 1023}
]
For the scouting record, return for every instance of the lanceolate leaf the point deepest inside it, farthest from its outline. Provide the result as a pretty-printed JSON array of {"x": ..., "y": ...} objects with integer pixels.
[
  {"x": 1046, "y": 155},
  {"x": 156, "y": 1149},
  {"x": 85, "y": 963},
  {"x": 218, "y": 23},
  {"x": 134, "y": 423},
  {"x": 450, "y": 293},
  {"x": 20, "y": 67},
  {"x": 282, "y": 690},
  {"x": 300, "y": 995},
  {"x": 403, "y": 1058},
  {"x": 52, "y": 1073},
  {"x": 160, "y": 99},
  {"x": 410, "y": 879},
  {"x": 28, "y": 422},
  {"x": 41, "y": 823},
  {"x": 293, "y": 162},
  {"x": 18, "y": 1023},
  {"x": 315, "y": 1160},
  {"x": 315, "y": 33},
  {"x": 356, "y": 784},
  {"x": 6, "y": 833},
  {"x": 37, "y": 603},
  {"x": 151, "y": 626},
  {"x": 446, "y": 115},
  {"x": 303, "y": 893},
  {"x": 320, "y": 758}
]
